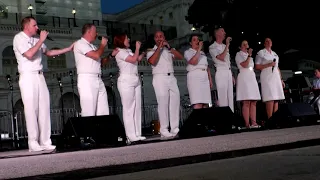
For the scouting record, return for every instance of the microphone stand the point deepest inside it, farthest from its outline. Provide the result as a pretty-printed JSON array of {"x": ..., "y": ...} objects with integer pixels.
[
  {"x": 14, "y": 122},
  {"x": 113, "y": 94},
  {"x": 62, "y": 105},
  {"x": 72, "y": 86},
  {"x": 142, "y": 97}
]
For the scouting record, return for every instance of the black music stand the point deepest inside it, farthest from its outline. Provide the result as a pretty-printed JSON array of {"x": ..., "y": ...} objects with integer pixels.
[
  {"x": 142, "y": 98},
  {"x": 72, "y": 86},
  {"x": 14, "y": 123},
  {"x": 62, "y": 104}
]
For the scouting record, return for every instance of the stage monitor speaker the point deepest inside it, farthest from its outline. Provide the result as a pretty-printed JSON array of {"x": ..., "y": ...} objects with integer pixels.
[
  {"x": 293, "y": 114},
  {"x": 208, "y": 121},
  {"x": 94, "y": 131}
]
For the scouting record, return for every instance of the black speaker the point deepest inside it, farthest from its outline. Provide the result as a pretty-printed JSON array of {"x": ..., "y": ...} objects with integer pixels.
[
  {"x": 293, "y": 114},
  {"x": 94, "y": 131},
  {"x": 208, "y": 121}
]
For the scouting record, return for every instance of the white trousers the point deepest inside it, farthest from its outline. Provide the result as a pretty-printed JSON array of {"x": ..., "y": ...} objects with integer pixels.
[
  {"x": 224, "y": 85},
  {"x": 36, "y": 99},
  {"x": 130, "y": 92},
  {"x": 93, "y": 95},
  {"x": 168, "y": 98}
]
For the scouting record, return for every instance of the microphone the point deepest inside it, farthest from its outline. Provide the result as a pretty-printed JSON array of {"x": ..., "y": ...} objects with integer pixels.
[
  {"x": 100, "y": 37},
  {"x": 49, "y": 38},
  {"x": 8, "y": 77},
  {"x": 274, "y": 60},
  {"x": 59, "y": 81}
]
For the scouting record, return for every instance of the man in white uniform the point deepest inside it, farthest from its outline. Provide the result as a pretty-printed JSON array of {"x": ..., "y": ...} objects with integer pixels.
[
  {"x": 34, "y": 91},
  {"x": 223, "y": 77},
  {"x": 165, "y": 84},
  {"x": 92, "y": 91}
]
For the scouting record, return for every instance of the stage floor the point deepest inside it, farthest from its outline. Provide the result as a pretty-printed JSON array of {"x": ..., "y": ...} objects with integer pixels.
[{"x": 109, "y": 161}]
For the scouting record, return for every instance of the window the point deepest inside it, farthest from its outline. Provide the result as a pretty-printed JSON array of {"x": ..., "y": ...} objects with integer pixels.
[
  {"x": 9, "y": 61},
  {"x": 151, "y": 22},
  {"x": 171, "y": 15}
]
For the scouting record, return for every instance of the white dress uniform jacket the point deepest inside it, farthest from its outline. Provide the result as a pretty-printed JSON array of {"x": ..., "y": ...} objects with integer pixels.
[
  {"x": 92, "y": 91},
  {"x": 197, "y": 78},
  {"x": 247, "y": 85},
  {"x": 34, "y": 92},
  {"x": 130, "y": 92},
  {"x": 271, "y": 85},
  {"x": 167, "y": 92},
  {"x": 223, "y": 76}
]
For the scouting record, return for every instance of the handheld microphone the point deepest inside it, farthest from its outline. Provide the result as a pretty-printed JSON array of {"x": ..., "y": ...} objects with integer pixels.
[
  {"x": 274, "y": 60},
  {"x": 100, "y": 37},
  {"x": 8, "y": 77},
  {"x": 49, "y": 38}
]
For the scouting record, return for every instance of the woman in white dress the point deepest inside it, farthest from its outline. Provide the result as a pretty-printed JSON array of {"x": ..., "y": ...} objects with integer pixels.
[
  {"x": 271, "y": 81},
  {"x": 199, "y": 79},
  {"x": 129, "y": 86},
  {"x": 314, "y": 97},
  {"x": 247, "y": 86}
]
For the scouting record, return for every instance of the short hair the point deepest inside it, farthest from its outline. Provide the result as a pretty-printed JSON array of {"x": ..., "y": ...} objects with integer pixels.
[
  {"x": 25, "y": 21},
  {"x": 118, "y": 40},
  {"x": 199, "y": 35},
  {"x": 157, "y": 31},
  {"x": 86, "y": 27}
]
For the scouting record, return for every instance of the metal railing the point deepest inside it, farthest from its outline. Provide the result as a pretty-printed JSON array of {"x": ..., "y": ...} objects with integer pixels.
[{"x": 149, "y": 113}]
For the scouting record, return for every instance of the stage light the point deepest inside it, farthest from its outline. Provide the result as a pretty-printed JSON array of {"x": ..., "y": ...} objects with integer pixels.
[
  {"x": 259, "y": 42},
  {"x": 193, "y": 29},
  {"x": 298, "y": 72},
  {"x": 242, "y": 32}
]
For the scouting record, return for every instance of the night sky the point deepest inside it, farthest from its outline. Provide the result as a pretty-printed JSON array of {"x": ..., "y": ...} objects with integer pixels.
[{"x": 115, "y": 6}]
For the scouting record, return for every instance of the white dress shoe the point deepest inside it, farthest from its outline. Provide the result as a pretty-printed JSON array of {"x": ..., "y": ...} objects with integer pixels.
[
  {"x": 36, "y": 149},
  {"x": 49, "y": 147},
  {"x": 142, "y": 138}
]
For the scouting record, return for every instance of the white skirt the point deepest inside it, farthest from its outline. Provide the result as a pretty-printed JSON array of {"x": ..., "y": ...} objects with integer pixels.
[
  {"x": 271, "y": 86},
  {"x": 247, "y": 86},
  {"x": 199, "y": 87}
]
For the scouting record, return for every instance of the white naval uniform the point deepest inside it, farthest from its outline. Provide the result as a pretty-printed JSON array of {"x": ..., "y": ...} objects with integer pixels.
[
  {"x": 34, "y": 92},
  {"x": 92, "y": 91},
  {"x": 223, "y": 76},
  {"x": 129, "y": 87},
  {"x": 271, "y": 85},
  {"x": 197, "y": 78},
  {"x": 167, "y": 91},
  {"x": 247, "y": 85},
  {"x": 315, "y": 85}
]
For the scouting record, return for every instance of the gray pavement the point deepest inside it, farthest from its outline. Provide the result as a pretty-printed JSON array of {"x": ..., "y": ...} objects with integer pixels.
[
  {"x": 153, "y": 153},
  {"x": 296, "y": 164}
]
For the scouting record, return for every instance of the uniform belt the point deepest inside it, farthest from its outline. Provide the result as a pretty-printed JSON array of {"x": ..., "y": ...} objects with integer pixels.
[
  {"x": 132, "y": 74},
  {"x": 98, "y": 75},
  {"x": 32, "y": 72},
  {"x": 223, "y": 68}
]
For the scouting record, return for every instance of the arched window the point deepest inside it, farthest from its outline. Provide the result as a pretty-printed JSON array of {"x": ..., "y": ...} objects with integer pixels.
[
  {"x": 57, "y": 62},
  {"x": 9, "y": 61}
]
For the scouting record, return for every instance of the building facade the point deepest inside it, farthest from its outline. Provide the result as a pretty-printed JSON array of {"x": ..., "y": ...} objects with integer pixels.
[{"x": 64, "y": 19}]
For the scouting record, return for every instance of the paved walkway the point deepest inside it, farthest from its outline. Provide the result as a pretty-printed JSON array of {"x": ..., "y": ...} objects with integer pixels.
[{"x": 103, "y": 162}]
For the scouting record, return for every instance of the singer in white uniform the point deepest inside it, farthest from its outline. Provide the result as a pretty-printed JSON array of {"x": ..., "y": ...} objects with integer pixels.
[
  {"x": 199, "y": 79},
  {"x": 129, "y": 86},
  {"x": 316, "y": 89},
  {"x": 34, "y": 91},
  {"x": 223, "y": 76},
  {"x": 165, "y": 84},
  {"x": 247, "y": 85},
  {"x": 270, "y": 77},
  {"x": 92, "y": 91}
]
